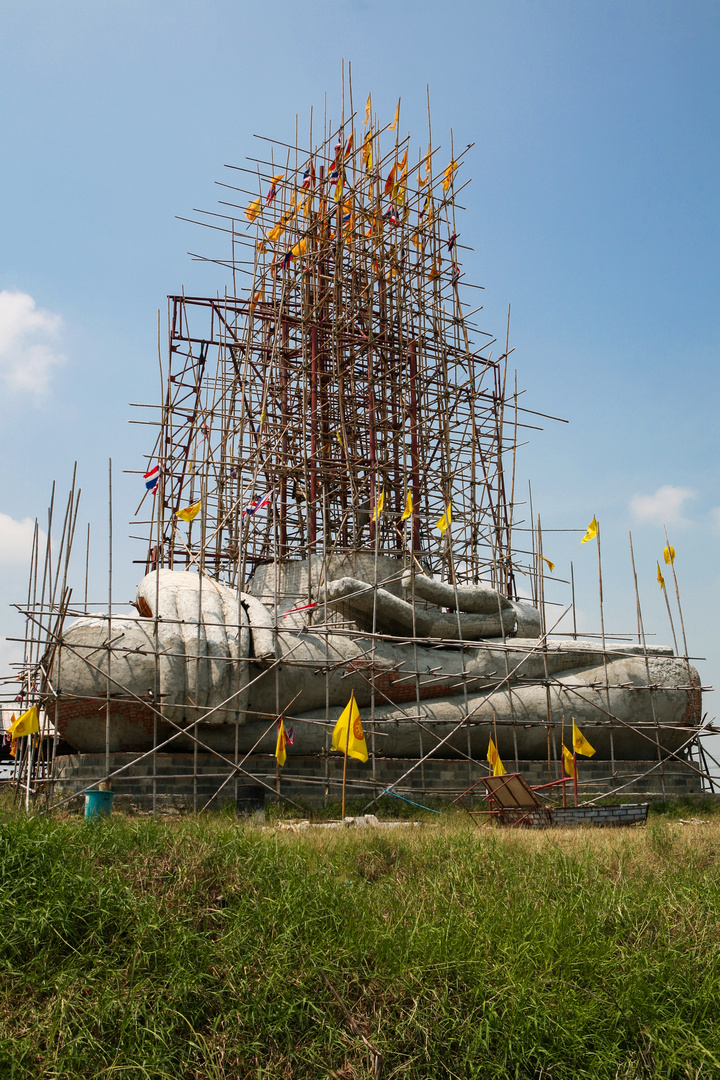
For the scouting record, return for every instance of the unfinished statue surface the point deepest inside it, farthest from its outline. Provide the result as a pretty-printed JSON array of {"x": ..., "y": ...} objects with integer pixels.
[{"x": 235, "y": 660}]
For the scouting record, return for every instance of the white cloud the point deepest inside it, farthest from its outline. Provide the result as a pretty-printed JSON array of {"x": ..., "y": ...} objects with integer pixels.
[
  {"x": 16, "y": 539},
  {"x": 665, "y": 507},
  {"x": 28, "y": 339}
]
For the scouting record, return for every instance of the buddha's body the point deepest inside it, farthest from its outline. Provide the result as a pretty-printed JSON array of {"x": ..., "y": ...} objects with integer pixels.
[{"x": 227, "y": 674}]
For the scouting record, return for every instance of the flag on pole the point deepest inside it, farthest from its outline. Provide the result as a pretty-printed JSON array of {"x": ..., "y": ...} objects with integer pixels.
[
  {"x": 151, "y": 478},
  {"x": 580, "y": 743},
  {"x": 252, "y": 211},
  {"x": 568, "y": 761},
  {"x": 449, "y": 173},
  {"x": 422, "y": 180},
  {"x": 551, "y": 565},
  {"x": 378, "y": 508},
  {"x": 13, "y": 742},
  {"x": 367, "y": 152},
  {"x": 661, "y": 579},
  {"x": 280, "y": 754},
  {"x": 669, "y": 554},
  {"x": 354, "y": 739},
  {"x": 309, "y": 175},
  {"x": 273, "y": 187},
  {"x": 592, "y": 531},
  {"x": 407, "y": 512},
  {"x": 445, "y": 520},
  {"x": 397, "y": 117},
  {"x": 368, "y": 109},
  {"x": 26, "y": 724},
  {"x": 190, "y": 512},
  {"x": 258, "y": 504},
  {"x": 276, "y": 231},
  {"x": 498, "y": 769}
]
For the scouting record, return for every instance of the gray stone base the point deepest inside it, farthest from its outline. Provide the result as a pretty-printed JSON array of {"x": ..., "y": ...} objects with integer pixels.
[{"x": 179, "y": 783}]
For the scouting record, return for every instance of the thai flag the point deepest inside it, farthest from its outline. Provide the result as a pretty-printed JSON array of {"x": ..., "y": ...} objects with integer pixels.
[
  {"x": 259, "y": 504},
  {"x": 289, "y": 736},
  {"x": 333, "y": 177},
  {"x": 151, "y": 478},
  {"x": 308, "y": 176}
]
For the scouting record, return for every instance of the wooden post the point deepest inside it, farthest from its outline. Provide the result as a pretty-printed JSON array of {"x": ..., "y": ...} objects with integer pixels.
[{"x": 347, "y": 743}]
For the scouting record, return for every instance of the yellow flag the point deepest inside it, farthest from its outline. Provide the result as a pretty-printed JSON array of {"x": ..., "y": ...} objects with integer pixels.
[
  {"x": 669, "y": 554},
  {"x": 397, "y": 117},
  {"x": 568, "y": 761},
  {"x": 367, "y": 152},
  {"x": 592, "y": 531},
  {"x": 281, "y": 743},
  {"x": 26, "y": 724},
  {"x": 445, "y": 520},
  {"x": 422, "y": 180},
  {"x": 348, "y": 733},
  {"x": 299, "y": 249},
  {"x": 551, "y": 565},
  {"x": 368, "y": 109},
  {"x": 253, "y": 209},
  {"x": 276, "y": 232},
  {"x": 449, "y": 173},
  {"x": 378, "y": 509},
  {"x": 498, "y": 769},
  {"x": 407, "y": 512},
  {"x": 580, "y": 743},
  {"x": 190, "y": 512},
  {"x": 661, "y": 579}
]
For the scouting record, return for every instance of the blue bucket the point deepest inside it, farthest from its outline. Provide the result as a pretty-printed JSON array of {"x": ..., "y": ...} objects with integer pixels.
[{"x": 98, "y": 803}]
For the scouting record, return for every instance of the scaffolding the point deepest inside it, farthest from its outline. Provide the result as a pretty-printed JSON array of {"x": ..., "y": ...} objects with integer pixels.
[{"x": 337, "y": 408}]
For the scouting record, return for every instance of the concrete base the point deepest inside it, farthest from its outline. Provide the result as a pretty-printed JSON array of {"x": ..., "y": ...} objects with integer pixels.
[{"x": 181, "y": 783}]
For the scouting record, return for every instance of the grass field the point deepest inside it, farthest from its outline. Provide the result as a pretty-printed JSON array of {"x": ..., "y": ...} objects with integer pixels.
[{"x": 206, "y": 948}]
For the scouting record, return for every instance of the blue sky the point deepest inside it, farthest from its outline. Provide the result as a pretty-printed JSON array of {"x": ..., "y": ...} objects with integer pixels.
[{"x": 593, "y": 211}]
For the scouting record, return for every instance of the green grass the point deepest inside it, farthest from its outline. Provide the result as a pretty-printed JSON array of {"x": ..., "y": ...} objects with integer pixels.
[{"x": 194, "y": 949}]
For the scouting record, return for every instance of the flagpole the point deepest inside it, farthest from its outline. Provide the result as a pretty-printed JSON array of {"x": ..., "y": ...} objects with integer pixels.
[
  {"x": 562, "y": 763},
  {"x": 574, "y": 770},
  {"x": 672, "y": 625},
  {"x": 677, "y": 590},
  {"x": 347, "y": 744},
  {"x": 277, "y": 782}
]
